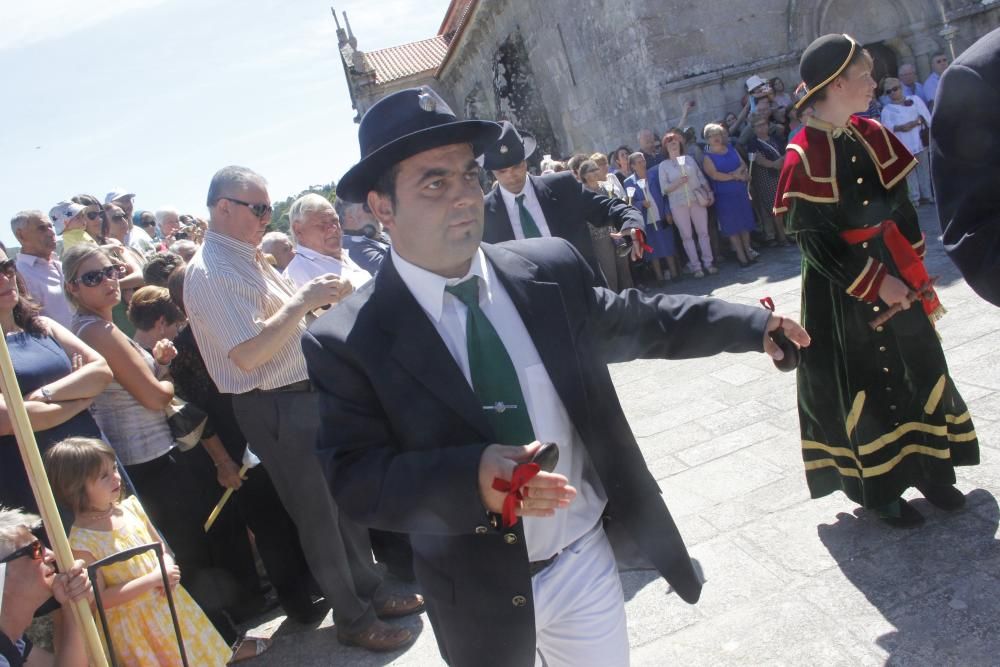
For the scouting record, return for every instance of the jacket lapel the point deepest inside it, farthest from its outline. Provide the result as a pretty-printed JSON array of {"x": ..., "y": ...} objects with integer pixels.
[
  {"x": 550, "y": 204},
  {"x": 540, "y": 305},
  {"x": 498, "y": 226},
  {"x": 418, "y": 348}
]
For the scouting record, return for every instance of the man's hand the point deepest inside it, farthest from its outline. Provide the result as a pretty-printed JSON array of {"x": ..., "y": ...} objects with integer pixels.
[
  {"x": 227, "y": 474},
  {"x": 894, "y": 291},
  {"x": 792, "y": 330},
  {"x": 543, "y": 494},
  {"x": 324, "y": 290},
  {"x": 73, "y": 585}
]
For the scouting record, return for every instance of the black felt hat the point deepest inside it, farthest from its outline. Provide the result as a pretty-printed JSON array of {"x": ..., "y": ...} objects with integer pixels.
[
  {"x": 401, "y": 125},
  {"x": 823, "y": 61},
  {"x": 511, "y": 148}
]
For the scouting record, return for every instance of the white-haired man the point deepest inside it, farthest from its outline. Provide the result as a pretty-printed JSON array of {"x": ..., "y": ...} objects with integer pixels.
[
  {"x": 279, "y": 246},
  {"x": 38, "y": 265},
  {"x": 168, "y": 222},
  {"x": 27, "y": 580},
  {"x": 315, "y": 226}
]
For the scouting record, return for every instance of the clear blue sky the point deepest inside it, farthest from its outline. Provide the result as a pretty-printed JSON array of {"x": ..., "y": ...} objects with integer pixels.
[{"x": 156, "y": 95}]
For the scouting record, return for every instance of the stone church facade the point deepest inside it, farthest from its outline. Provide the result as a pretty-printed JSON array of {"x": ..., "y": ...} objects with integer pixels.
[{"x": 586, "y": 75}]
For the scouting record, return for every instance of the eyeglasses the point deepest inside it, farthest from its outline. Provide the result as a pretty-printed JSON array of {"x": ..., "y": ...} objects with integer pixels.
[
  {"x": 7, "y": 266},
  {"x": 121, "y": 217},
  {"x": 260, "y": 211},
  {"x": 98, "y": 276},
  {"x": 36, "y": 549},
  {"x": 890, "y": 91}
]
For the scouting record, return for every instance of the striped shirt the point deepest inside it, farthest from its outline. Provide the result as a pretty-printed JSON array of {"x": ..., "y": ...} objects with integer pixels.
[{"x": 229, "y": 292}]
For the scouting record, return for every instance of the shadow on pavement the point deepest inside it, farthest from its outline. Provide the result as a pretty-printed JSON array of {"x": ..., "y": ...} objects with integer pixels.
[{"x": 938, "y": 585}]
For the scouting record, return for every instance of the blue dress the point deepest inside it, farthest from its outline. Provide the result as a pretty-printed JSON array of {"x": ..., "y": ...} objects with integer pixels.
[
  {"x": 732, "y": 204},
  {"x": 37, "y": 361}
]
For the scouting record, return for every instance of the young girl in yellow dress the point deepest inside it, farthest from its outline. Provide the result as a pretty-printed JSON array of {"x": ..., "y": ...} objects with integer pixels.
[{"x": 84, "y": 477}]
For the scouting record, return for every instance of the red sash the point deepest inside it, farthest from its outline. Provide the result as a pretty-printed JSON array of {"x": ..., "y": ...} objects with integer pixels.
[{"x": 911, "y": 267}]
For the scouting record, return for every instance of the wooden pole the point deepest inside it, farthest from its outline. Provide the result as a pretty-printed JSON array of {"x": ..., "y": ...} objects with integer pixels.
[{"x": 43, "y": 497}]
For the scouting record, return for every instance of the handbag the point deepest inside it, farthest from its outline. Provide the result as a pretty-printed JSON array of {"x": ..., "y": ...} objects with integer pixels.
[
  {"x": 703, "y": 196},
  {"x": 925, "y": 132},
  {"x": 186, "y": 421}
]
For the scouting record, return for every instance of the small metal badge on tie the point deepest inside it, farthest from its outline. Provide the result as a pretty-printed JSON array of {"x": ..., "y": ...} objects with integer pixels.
[{"x": 500, "y": 407}]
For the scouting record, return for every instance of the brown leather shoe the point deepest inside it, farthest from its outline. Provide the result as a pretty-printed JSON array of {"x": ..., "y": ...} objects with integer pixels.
[
  {"x": 395, "y": 606},
  {"x": 379, "y": 637}
]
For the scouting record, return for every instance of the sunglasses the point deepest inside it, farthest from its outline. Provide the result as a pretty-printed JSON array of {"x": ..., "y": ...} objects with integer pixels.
[
  {"x": 890, "y": 91},
  {"x": 260, "y": 211},
  {"x": 36, "y": 549},
  {"x": 94, "y": 215},
  {"x": 121, "y": 217},
  {"x": 98, "y": 276},
  {"x": 7, "y": 266}
]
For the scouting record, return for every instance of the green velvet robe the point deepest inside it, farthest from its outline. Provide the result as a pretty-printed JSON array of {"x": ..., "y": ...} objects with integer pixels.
[{"x": 878, "y": 411}]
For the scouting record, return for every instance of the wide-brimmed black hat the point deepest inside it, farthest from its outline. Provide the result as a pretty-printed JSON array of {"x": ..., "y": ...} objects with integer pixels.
[
  {"x": 823, "y": 61},
  {"x": 401, "y": 125},
  {"x": 511, "y": 148}
]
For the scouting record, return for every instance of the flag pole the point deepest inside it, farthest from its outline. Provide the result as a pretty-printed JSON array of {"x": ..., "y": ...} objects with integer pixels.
[{"x": 43, "y": 497}]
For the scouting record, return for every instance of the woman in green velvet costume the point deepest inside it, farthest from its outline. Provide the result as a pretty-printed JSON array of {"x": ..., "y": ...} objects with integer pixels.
[{"x": 878, "y": 410}]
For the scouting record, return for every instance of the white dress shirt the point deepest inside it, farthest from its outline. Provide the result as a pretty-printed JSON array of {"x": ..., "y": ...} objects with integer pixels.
[
  {"x": 44, "y": 280},
  {"x": 544, "y": 537},
  {"x": 308, "y": 264},
  {"x": 530, "y": 202}
]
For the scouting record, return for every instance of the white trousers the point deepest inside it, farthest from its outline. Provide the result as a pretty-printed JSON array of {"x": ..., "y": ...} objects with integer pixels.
[
  {"x": 918, "y": 181},
  {"x": 580, "y": 607}
]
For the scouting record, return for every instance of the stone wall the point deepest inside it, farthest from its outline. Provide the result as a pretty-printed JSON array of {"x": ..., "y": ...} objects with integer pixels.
[{"x": 589, "y": 73}]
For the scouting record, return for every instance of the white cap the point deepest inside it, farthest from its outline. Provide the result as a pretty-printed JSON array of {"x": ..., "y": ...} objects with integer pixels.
[
  {"x": 62, "y": 213},
  {"x": 117, "y": 193},
  {"x": 754, "y": 82}
]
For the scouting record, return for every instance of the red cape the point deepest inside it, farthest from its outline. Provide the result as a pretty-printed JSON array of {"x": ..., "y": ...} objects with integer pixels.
[{"x": 810, "y": 170}]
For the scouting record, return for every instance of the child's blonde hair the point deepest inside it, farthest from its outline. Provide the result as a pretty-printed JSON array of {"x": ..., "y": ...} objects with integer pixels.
[{"x": 71, "y": 463}]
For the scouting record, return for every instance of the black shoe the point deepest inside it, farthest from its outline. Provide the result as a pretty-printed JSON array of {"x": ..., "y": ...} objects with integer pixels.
[
  {"x": 900, "y": 514},
  {"x": 310, "y": 615},
  {"x": 944, "y": 496}
]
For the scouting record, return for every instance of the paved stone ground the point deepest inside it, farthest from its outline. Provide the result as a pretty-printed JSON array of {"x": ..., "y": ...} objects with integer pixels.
[{"x": 790, "y": 581}]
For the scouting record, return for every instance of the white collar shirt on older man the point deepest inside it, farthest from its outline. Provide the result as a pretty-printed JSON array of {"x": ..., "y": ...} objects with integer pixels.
[
  {"x": 229, "y": 293},
  {"x": 308, "y": 264},
  {"x": 44, "y": 280}
]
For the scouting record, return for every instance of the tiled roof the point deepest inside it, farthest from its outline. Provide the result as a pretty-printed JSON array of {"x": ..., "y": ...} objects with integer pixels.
[{"x": 405, "y": 60}]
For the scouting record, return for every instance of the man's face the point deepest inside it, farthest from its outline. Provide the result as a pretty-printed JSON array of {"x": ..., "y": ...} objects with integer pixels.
[
  {"x": 437, "y": 219},
  {"x": 764, "y": 105},
  {"x": 939, "y": 64},
  {"x": 127, "y": 204},
  {"x": 29, "y": 580},
  {"x": 647, "y": 142},
  {"x": 320, "y": 231},
  {"x": 37, "y": 237},
  {"x": 512, "y": 179},
  {"x": 170, "y": 224},
  {"x": 242, "y": 224},
  {"x": 118, "y": 224},
  {"x": 907, "y": 74},
  {"x": 283, "y": 253}
]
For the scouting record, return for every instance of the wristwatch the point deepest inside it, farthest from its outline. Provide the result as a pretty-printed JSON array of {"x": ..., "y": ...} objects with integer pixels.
[{"x": 46, "y": 394}]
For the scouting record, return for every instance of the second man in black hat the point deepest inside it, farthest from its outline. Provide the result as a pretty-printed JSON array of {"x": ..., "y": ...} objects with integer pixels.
[{"x": 526, "y": 206}]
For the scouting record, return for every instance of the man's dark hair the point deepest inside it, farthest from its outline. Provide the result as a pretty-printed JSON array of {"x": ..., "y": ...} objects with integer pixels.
[
  {"x": 386, "y": 183},
  {"x": 160, "y": 266}
]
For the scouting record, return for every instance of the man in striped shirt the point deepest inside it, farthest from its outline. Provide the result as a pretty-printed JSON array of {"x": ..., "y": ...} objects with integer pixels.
[{"x": 248, "y": 321}]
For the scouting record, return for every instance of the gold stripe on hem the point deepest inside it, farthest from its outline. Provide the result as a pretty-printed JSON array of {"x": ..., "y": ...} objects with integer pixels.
[
  {"x": 855, "y": 413},
  {"x": 883, "y": 468},
  {"x": 936, "y": 393}
]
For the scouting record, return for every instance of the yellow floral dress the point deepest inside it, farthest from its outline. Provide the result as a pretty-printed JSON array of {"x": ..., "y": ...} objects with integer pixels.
[{"x": 141, "y": 629}]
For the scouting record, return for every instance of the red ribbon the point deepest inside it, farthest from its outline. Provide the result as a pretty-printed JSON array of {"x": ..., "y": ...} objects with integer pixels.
[
  {"x": 640, "y": 238},
  {"x": 911, "y": 267},
  {"x": 523, "y": 474}
]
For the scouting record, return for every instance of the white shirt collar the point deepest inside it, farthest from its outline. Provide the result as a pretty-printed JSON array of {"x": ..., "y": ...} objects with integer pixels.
[
  {"x": 30, "y": 260},
  {"x": 524, "y": 189},
  {"x": 428, "y": 287}
]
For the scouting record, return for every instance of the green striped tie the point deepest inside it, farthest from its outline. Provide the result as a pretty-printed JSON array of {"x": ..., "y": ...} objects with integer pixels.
[{"x": 494, "y": 378}]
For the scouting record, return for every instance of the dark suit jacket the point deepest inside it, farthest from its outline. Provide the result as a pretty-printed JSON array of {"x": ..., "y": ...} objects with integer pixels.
[
  {"x": 402, "y": 432},
  {"x": 965, "y": 161},
  {"x": 567, "y": 208}
]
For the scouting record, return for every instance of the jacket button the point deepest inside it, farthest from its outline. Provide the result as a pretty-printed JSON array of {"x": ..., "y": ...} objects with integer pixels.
[
  {"x": 876, "y": 308},
  {"x": 865, "y": 203},
  {"x": 881, "y": 348},
  {"x": 860, "y": 180},
  {"x": 865, "y": 244},
  {"x": 494, "y": 522},
  {"x": 519, "y": 601},
  {"x": 481, "y": 530},
  {"x": 892, "y": 407},
  {"x": 885, "y": 370},
  {"x": 879, "y": 329},
  {"x": 510, "y": 538},
  {"x": 854, "y": 158}
]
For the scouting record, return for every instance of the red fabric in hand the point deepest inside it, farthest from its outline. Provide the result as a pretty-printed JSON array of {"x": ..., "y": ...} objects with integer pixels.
[{"x": 523, "y": 473}]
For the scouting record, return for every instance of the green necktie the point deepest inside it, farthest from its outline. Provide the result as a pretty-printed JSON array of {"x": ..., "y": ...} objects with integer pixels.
[
  {"x": 494, "y": 378},
  {"x": 528, "y": 225}
]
